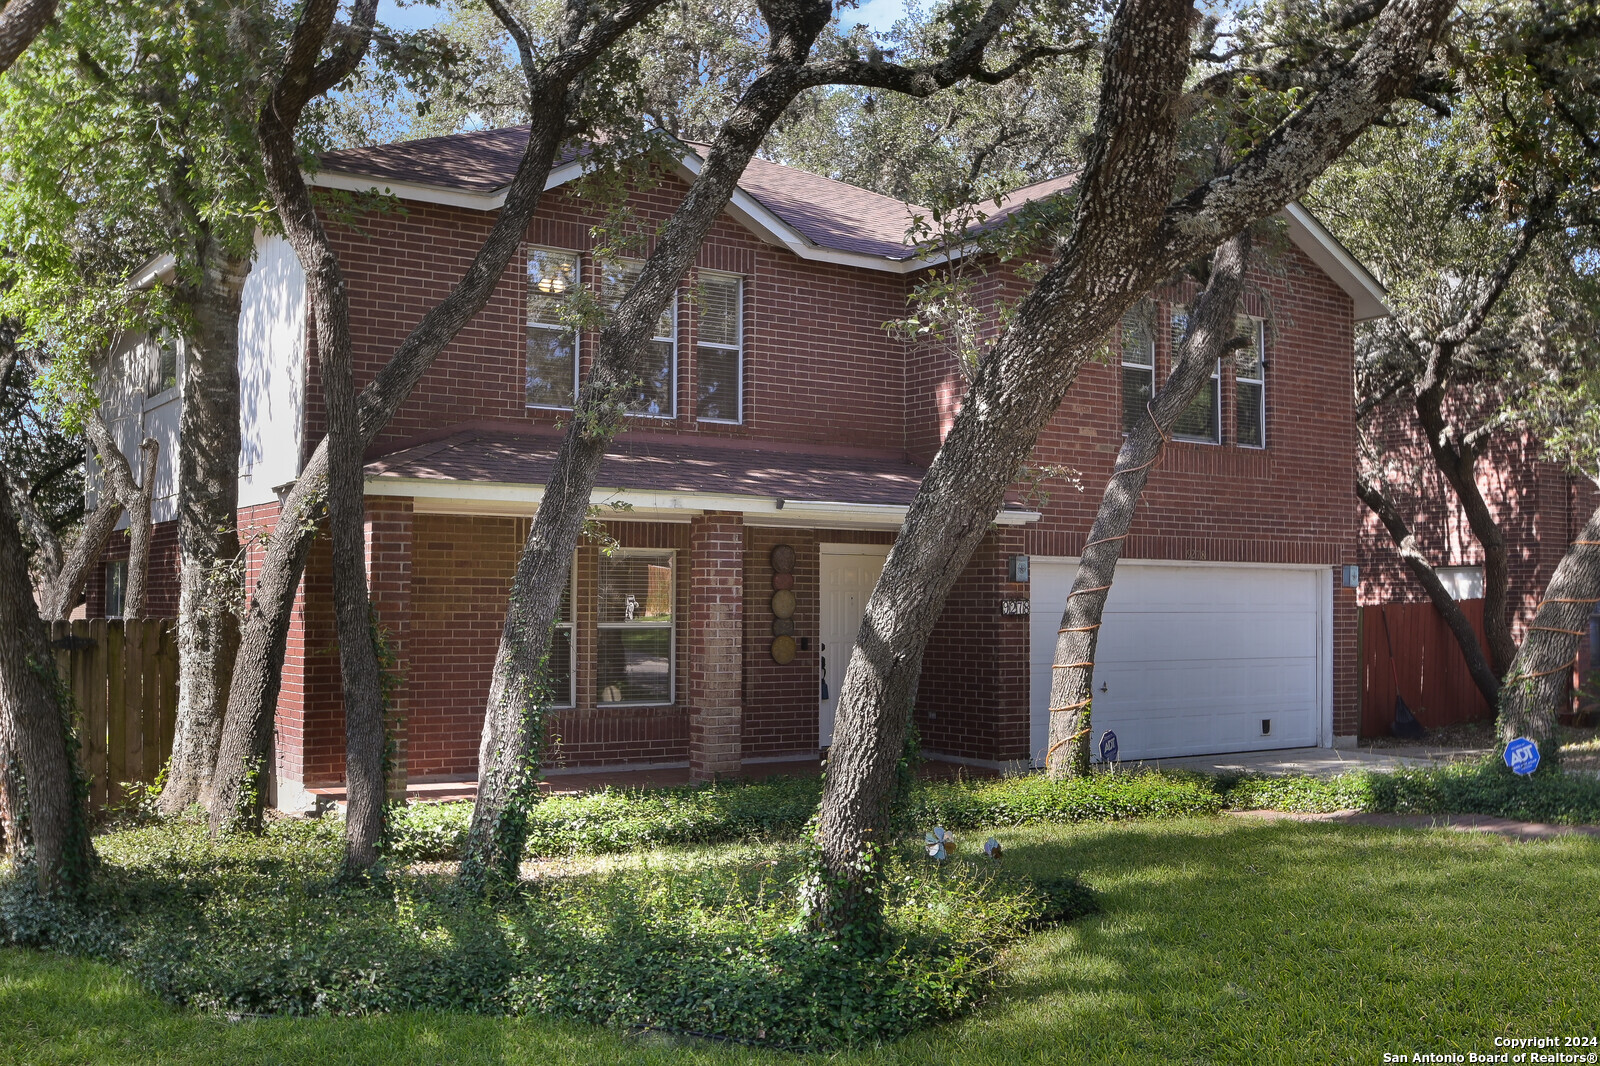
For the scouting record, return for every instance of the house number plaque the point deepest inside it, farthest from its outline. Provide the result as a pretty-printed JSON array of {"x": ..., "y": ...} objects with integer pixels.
[{"x": 1013, "y": 607}]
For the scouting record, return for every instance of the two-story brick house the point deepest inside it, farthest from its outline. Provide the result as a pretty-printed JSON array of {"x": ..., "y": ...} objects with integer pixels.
[{"x": 779, "y": 437}]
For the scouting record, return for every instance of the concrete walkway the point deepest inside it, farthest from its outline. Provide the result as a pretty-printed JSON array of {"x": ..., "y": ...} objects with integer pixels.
[{"x": 1317, "y": 762}]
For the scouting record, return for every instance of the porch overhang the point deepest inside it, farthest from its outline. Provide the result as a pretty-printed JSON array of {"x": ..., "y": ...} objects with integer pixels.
[{"x": 662, "y": 480}]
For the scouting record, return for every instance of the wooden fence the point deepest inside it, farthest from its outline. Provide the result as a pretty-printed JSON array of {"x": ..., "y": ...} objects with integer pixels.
[
  {"x": 124, "y": 676},
  {"x": 1434, "y": 680}
]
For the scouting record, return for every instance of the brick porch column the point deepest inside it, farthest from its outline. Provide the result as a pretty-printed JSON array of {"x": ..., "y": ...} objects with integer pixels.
[
  {"x": 389, "y": 537},
  {"x": 716, "y": 644}
]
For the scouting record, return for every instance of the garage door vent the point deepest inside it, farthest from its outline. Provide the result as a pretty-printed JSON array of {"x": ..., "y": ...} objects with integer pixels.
[{"x": 1266, "y": 727}]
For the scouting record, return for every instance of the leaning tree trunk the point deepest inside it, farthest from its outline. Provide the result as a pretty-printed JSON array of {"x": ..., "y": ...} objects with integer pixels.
[
  {"x": 265, "y": 628},
  {"x": 1405, "y": 542},
  {"x": 1072, "y": 676},
  {"x": 360, "y": 676},
  {"x": 513, "y": 727},
  {"x": 1538, "y": 685},
  {"x": 208, "y": 539},
  {"x": 38, "y": 724},
  {"x": 139, "y": 505},
  {"x": 1125, "y": 237}
]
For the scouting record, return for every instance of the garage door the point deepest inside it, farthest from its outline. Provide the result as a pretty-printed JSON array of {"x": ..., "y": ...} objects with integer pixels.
[{"x": 1196, "y": 659}]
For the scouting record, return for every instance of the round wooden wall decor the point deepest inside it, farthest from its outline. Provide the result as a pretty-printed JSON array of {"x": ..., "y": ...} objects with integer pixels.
[
  {"x": 783, "y": 650},
  {"x": 783, "y": 558},
  {"x": 783, "y": 604},
  {"x": 783, "y": 627},
  {"x": 783, "y": 581}
]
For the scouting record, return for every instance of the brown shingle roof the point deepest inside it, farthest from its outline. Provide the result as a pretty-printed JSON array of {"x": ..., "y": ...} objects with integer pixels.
[
  {"x": 480, "y": 161},
  {"x": 662, "y": 465}
]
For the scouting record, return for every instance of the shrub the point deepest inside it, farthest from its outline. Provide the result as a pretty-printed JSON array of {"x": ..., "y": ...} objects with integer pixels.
[
  {"x": 263, "y": 925},
  {"x": 1456, "y": 788},
  {"x": 616, "y": 820}
]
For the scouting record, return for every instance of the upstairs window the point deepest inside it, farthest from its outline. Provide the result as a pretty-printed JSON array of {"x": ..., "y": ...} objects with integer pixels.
[
  {"x": 1250, "y": 384},
  {"x": 1201, "y": 421},
  {"x": 719, "y": 359},
  {"x": 655, "y": 391},
  {"x": 552, "y": 367},
  {"x": 163, "y": 364},
  {"x": 1138, "y": 367},
  {"x": 634, "y": 640}
]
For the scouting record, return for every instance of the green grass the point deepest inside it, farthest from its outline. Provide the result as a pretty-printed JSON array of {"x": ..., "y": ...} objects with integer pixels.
[{"x": 1222, "y": 941}]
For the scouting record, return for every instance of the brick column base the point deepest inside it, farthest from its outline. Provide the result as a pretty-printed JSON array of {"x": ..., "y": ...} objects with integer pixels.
[{"x": 716, "y": 645}]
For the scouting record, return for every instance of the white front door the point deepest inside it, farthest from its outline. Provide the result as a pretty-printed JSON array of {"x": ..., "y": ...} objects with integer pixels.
[
  {"x": 849, "y": 571},
  {"x": 1195, "y": 659}
]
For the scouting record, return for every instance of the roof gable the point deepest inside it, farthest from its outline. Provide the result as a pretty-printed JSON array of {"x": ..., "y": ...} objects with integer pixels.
[{"x": 815, "y": 217}]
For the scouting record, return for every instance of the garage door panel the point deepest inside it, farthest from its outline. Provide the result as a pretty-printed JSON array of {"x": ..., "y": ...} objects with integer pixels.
[
  {"x": 1191, "y": 659},
  {"x": 1199, "y": 636}
]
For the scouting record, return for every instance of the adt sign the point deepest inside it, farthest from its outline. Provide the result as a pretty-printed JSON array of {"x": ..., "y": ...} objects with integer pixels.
[
  {"x": 1522, "y": 755},
  {"x": 1108, "y": 746}
]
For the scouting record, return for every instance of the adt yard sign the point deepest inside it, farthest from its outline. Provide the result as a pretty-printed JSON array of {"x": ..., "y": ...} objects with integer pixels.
[
  {"x": 1108, "y": 746},
  {"x": 1522, "y": 755}
]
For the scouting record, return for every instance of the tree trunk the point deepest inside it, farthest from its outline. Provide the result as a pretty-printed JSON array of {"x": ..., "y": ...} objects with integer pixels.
[
  {"x": 20, "y": 22},
  {"x": 1125, "y": 238},
  {"x": 39, "y": 726},
  {"x": 1459, "y": 464},
  {"x": 208, "y": 539},
  {"x": 1411, "y": 554},
  {"x": 1538, "y": 686},
  {"x": 264, "y": 633},
  {"x": 1072, "y": 676},
  {"x": 513, "y": 727},
  {"x": 139, "y": 531}
]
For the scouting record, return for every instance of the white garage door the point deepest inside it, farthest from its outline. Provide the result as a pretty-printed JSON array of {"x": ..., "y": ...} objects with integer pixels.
[{"x": 1196, "y": 659}]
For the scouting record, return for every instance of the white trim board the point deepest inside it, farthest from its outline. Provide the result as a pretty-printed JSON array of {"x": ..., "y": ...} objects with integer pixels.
[{"x": 441, "y": 496}]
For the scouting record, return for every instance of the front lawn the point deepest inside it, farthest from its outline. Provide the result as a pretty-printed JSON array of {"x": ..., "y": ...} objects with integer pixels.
[{"x": 1222, "y": 941}]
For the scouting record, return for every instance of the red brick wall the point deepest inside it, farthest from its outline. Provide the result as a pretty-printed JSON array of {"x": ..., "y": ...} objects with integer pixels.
[
  {"x": 818, "y": 366},
  {"x": 161, "y": 592},
  {"x": 973, "y": 699}
]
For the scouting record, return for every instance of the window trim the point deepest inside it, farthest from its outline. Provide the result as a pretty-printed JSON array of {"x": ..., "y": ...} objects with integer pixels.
[
  {"x": 1216, "y": 385},
  {"x": 671, "y": 626},
  {"x": 577, "y": 335},
  {"x": 737, "y": 349},
  {"x": 673, "y": 329},
  {"x": 571, "y": 626},
  {"x": 1122, "y": 348},
  {"x": 1259, "y": 326},
  {"x": 117, "y": 566}
]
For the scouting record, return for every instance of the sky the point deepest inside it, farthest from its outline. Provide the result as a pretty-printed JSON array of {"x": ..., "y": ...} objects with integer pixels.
[{"x": 878, "y": 14}]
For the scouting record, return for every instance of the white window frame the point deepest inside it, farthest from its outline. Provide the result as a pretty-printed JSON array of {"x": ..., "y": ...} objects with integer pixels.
[
  {"x": 671, "y": 626},
  {"x": 117, "y": 566},
  {"x": 1259, "y": 333},
  {"x": 1452, "y": 579},
  {"x": 154, "y": 394},
  {"x": 571, "y": 626},
  {"x": 737, "y": 349},
  {"x": 1122, "y": 347},
  {"x": 671, "y": 337},
  {"x": 528, "y": 323},
  {"x": 1216, "y": 383}
]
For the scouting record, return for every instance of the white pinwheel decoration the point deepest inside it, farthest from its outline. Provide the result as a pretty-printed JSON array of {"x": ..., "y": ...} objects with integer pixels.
[{"x": 937, "y": 841}]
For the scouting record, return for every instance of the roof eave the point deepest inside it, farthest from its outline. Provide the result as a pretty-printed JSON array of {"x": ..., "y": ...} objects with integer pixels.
[{"x": 1324, "y": 249}]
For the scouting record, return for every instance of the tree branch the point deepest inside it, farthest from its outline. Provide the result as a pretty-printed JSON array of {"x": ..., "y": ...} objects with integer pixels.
[{"x": 20, "y": 23}]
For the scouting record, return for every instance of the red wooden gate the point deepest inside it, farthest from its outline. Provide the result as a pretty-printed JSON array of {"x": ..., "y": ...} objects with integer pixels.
[{"x": 1434, "y": 680}]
